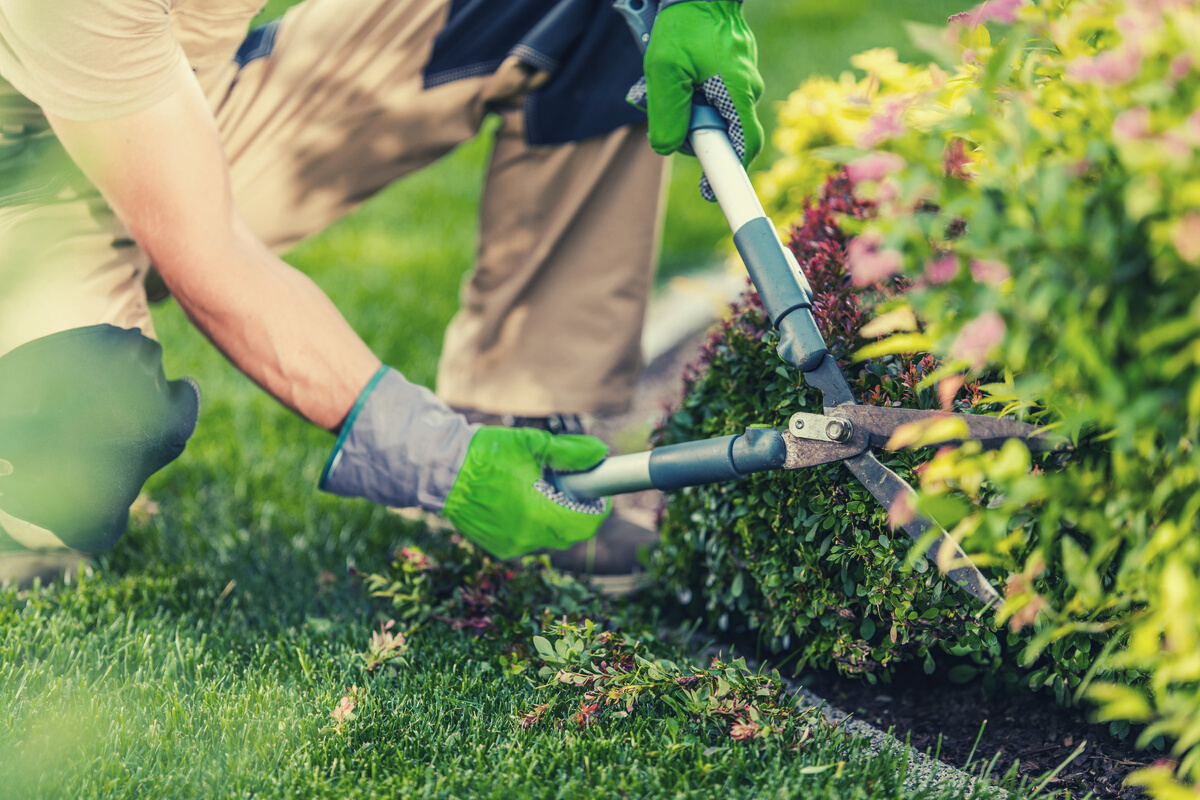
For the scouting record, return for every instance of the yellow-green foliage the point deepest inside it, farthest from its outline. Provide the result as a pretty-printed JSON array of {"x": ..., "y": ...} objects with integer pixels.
[
  {"x": 825, "y": 113},
  {"x": 1066, "y": 137}
]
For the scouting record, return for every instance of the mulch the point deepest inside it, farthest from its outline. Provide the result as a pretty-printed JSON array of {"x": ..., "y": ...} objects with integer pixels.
[{"x": 1022, "y": 728}]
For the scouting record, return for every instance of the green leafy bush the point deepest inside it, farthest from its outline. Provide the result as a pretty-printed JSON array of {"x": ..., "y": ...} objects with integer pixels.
[
  {"x": 1040, "y": 193},
  {"x": 807, "y": 557}
]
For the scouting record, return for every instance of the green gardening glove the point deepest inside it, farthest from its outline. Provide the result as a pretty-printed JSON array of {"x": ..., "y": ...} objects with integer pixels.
[
  {"x": 504, "y": 501},
  {"x": 703, "y": 44}
]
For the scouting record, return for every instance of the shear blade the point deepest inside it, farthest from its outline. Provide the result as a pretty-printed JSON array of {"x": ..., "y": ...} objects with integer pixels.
[
  {"x": 880, "y": 422},
  {"x": 886, "y": 487}
]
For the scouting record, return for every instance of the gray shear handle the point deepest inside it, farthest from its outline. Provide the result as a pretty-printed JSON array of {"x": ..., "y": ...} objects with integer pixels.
[
  {"x": 725, "y": 458},
  {"x": 785, "y": 292},
  {"x": 779, "y": 280}
]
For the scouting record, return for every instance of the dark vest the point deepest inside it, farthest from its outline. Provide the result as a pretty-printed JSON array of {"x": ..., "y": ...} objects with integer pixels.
[{"x": 584, "y": 44}]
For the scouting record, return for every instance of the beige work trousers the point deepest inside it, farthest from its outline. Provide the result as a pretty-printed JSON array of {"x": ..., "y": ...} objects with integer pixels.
[{"x": 551, "y": 317}]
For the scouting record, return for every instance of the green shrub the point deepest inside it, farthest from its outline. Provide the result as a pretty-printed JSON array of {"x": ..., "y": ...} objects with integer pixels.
[
  {"x": 1040, "y": 193},
  {"x": 807, "y": 557}
]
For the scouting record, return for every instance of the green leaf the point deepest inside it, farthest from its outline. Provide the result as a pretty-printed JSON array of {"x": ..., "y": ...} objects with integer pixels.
[
  {"x": 1120, "y": 702},
  {"x": 895, "y": 345},
  {"x": 544, "y": 648},
  {"x": 816, "y": 769},
  {"x": 963, "y": 673},
  {"x": 931, "y": 40}
]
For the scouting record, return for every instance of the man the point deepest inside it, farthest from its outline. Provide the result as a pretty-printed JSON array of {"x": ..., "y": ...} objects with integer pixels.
[{"x": 139, "y": 132}]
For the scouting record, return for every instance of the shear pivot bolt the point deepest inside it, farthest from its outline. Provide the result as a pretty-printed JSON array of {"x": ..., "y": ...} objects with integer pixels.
[
  {"x": 839, "y": 430},
  {"x": 796, "y": 425}
]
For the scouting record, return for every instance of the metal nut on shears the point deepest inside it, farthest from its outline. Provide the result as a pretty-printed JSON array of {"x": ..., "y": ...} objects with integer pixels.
[{"x": 839, "y": 430}]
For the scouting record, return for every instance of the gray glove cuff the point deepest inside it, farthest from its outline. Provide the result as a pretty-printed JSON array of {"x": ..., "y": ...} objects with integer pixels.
[
  {"x": 664, "y": 3},
  {"x": 400, "y": 446}
]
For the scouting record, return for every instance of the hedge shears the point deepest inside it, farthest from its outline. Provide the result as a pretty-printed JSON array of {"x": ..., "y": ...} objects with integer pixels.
[{"x": 846, "y": 432}]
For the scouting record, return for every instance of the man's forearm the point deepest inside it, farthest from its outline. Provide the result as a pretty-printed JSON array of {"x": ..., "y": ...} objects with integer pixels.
[
  {"x": 163, "y": 172},
  {"x": 279, "y": 328}
]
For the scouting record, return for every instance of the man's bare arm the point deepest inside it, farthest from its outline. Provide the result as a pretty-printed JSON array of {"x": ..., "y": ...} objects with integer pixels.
[{"x": 164, "y": 173}]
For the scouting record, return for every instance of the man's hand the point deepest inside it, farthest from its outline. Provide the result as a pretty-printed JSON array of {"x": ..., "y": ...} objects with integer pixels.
[
  {"x": 695, "y": 42},
  {"x": 402, "y": 446},
  {"x": 503, "y": 501},
  {"x": 163, "y": 171}
]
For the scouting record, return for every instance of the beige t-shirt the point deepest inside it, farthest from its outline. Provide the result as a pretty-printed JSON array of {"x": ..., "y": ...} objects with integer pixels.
[{"x": 97, "y": 59}]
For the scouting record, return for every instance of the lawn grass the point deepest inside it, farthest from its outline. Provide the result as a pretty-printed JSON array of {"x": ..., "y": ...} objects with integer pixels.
[
  {"x": 142, "y": 687},
  {"x": 205, "y": 656}
]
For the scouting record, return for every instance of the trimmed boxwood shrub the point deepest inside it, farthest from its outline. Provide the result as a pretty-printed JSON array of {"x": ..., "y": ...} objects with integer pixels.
[{"x": 807, "y": 558}]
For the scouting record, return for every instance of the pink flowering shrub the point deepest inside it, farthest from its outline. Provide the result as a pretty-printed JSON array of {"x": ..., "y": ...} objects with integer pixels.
[{"x": 1046, "y": 219}]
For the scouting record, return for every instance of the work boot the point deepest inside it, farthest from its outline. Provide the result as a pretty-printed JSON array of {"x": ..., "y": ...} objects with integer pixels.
[
  {"x": 19, "y": 567},
  {"x": 613, "y": 558}
]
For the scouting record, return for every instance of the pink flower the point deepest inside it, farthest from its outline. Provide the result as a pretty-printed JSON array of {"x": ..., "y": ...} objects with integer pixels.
[
  {"x": 978, "y": 338},
  {"x": 942, "y": 270},
  {"x": 1175, "y": 145},
  {"x": 1187, "y": 237},
  {"x": 955, "y": 160},
  {"x": 1004, "y": 11},
  {"x": 344, "y": 711},
  {"x": 1111, "y": 68},
  {"x": 413, "y": 557},
  {"x": 1180, "y": 66},
  {"x": 1132, "y": 125},
  {"x": 901, "y": 512},
  {"x": 744, "y": 730},
  {"x": 868, "y": 262},
  {"x": 1137, "y": 24},
  {"x": 884, "y": 124},
  {"x": 874, "y": 167},
  {"x": 992, "y": 273},
  {"x": 947, "y": 390}
]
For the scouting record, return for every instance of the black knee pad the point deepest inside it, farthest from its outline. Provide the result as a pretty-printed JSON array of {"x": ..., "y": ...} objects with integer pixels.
[{"x": 86, "y": 416}]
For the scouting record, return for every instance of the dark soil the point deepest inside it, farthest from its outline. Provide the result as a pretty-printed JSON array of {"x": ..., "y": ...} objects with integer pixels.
[{"x": 1028, "y": 729}]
